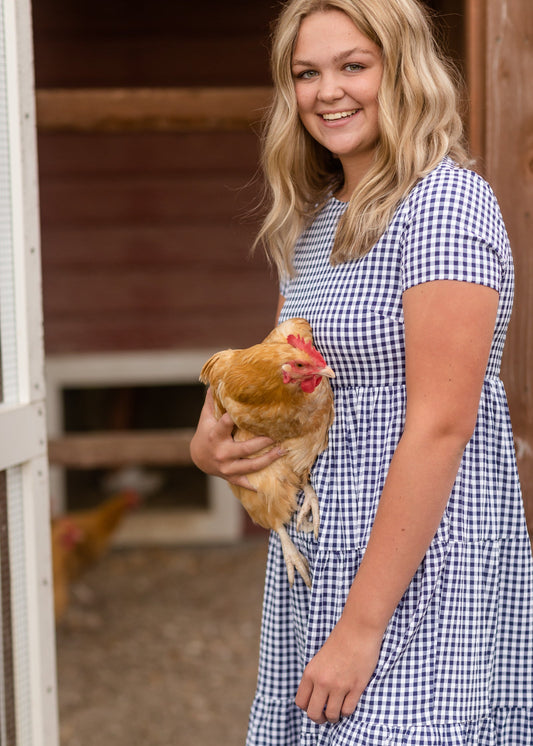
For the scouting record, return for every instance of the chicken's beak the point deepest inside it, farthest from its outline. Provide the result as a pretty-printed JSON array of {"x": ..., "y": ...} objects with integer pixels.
[{"x": 327, "y": 372}]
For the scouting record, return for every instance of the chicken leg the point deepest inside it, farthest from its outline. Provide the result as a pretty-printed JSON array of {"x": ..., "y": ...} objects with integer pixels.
[
  {"x": 293, "y": 558},
  {"x": 308, "y": 518}
]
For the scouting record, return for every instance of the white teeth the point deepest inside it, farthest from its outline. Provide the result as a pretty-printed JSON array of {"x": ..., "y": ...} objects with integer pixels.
[{"x": 338, "y": 115}]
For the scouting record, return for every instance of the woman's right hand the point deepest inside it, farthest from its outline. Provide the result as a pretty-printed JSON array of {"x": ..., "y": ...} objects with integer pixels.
[{"x": 214, "y": 451}]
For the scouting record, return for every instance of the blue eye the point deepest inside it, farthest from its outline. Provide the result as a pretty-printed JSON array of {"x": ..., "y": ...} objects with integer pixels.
[{"x": 307, "y": 74}]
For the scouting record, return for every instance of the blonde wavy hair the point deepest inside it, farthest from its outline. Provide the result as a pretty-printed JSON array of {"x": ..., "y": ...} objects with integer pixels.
[{"x": 419, "y": 124}]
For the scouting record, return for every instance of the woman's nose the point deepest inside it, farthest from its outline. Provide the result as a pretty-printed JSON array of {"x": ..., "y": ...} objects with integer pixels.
[{"x": 330, "y": 88}]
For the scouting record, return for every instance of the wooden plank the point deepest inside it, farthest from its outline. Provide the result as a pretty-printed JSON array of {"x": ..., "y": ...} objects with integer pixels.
[
  {"x": 476, "y": 28},
  {"x": 145, "y": 200},
  {"x": 96, "y": 291},
  {"x": 152, "y": 109},
  {"x": 237, "y": 327},
  {"x": 77, "y": 61},
  {"x": 101, "y": 19},
  {"x": 134, "y": 153},
  {"x": 224, "y": 244},
  {"x": 97, "y": 450},
  {"x": 509, "y": 165}
]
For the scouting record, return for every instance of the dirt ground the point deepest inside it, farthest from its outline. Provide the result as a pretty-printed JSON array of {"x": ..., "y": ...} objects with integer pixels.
[{"x": 159, "y": 647}]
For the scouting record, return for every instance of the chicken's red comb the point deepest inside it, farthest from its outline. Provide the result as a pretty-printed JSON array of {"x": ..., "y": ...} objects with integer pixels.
[{"x": 307, "y": 346}]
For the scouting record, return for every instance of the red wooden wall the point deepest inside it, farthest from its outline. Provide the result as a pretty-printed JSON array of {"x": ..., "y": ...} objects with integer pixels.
[
  {"x": 146, "y": 235},
  {"x": 145, "y": 242},
  {"x": 120, "y": 43}
]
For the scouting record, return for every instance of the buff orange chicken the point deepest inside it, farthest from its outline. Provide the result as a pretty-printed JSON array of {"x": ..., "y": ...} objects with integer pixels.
[{"x": 278, "y": 388}]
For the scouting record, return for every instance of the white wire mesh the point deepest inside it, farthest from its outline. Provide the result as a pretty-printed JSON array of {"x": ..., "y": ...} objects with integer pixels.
[
  {"x": 8, "y": 335},
  {"x": 19, "y": 605}
]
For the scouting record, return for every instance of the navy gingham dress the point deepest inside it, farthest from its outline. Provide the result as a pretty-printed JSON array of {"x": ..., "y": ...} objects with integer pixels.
[{"x": 456, "y": 665}]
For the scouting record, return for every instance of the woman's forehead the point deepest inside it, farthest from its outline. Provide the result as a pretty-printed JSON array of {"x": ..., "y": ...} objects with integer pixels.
[{"x": 331, "y": 32}]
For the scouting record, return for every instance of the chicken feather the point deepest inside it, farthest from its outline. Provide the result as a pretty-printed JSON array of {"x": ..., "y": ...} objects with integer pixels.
[{"x": 278, "y": 388}]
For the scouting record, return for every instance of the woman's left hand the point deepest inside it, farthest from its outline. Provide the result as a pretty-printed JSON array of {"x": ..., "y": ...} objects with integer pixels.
[{"x": 333, "y": 681}]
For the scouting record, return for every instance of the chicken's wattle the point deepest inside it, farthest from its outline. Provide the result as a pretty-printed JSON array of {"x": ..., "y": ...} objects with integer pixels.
[{"x": 308, "y": 385}]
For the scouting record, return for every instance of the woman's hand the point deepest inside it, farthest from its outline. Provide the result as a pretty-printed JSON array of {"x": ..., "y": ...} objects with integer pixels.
[
  {"x": 333, "y": 681},
  {"x": 214, "y": 451}
]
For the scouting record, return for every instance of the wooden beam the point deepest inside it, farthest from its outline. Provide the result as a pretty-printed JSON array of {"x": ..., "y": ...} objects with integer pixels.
[
  {"x": 98, "y": 450},
  {"x": 150, "y": 109},
  {"x": 475, "y": 65},
  {"x": 509, "y": 167}
]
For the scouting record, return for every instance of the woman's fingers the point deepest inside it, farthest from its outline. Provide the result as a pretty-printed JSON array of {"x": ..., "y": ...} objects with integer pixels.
[
  {"x": 335, "y": 678},
  {"x": 304, "y": 693},
  {"x": 214, "y": 451},
  {"x": 321, "y": 703},
  {"x": 209, "y": 402},
  {"x": 242, "y": 448},
  {"x": 350, "y": 703},
  {"x": 333, "y": 711},
  {"x": 236, "y": 470},
  {"x": 324, "y": 705},
  {"x": 225, "y": 424},
  {"x": 317, "y": 706}
]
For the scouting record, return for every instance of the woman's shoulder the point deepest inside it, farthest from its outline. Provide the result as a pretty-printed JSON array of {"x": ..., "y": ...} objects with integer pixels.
[
  {"x": 458, "y": 185},
  {"x": 454, "y": 195},
  {"x": 453, "y": 212}
]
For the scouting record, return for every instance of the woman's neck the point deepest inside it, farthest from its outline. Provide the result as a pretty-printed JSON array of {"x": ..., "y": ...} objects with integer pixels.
[{"x": 354, "y": 171}]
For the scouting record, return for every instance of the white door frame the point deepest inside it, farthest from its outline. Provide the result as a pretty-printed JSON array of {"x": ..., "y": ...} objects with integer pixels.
[{"x": 22, "y": 410}]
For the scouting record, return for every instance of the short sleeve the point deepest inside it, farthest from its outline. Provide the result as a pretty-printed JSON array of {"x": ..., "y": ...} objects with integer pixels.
[
  {"x": 454, "y": 231},
  {"x": 284, "y": 284}
]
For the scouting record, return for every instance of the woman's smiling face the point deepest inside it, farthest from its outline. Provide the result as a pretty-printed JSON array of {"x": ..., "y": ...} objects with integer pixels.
[{"x": 337, "y": 72}]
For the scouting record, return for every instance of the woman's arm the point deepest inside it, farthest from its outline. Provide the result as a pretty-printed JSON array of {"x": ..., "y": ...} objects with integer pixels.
[
  {"x": 214, "y": 451},
  {"x": 448, "y": 333}
]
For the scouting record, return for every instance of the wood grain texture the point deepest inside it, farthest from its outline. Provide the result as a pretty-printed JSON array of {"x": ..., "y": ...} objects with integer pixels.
[
  {"x": 125, "y": 43},
  {"x": 150, "y": 109},
  {"x": 146, "y": 242},
  {"x": 509, "y": 168},
  {"x": 106, "y": 449}
]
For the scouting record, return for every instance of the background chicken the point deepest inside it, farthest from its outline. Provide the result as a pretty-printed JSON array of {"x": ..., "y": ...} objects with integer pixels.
[
  {"x": 80, "y": 538},
  {"x": 278, "y": 388},
  {"x": 96, "y": 527},
  {"x": 65, "y": 536}
]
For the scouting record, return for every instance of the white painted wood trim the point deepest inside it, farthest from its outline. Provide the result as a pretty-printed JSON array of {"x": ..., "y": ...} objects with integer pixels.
[
  {"x": 25, "y": 201},
  {"x": 222, "y": 521},
  {"x": 22, "y": 421},
  {"x": 22, "y": 433},
  {"x": 40, "y": 604}
]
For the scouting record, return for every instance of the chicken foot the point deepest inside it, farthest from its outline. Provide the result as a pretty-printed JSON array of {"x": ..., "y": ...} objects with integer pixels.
[
  {"x": 308, "y": 518},
  {"x": 293, "y": 558}
]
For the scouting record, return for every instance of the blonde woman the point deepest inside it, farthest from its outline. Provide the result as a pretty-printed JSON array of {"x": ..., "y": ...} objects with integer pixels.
[{"x": 418, "y": 628}]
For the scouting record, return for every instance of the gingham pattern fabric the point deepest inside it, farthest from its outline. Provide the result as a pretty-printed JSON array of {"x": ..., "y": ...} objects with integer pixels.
[{"x": 456, "y": 663}]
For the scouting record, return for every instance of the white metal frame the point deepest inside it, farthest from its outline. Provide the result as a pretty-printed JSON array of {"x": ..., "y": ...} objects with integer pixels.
[
  {"x": 222, "y": 520},
  {"x": 22, "y": 413}
]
